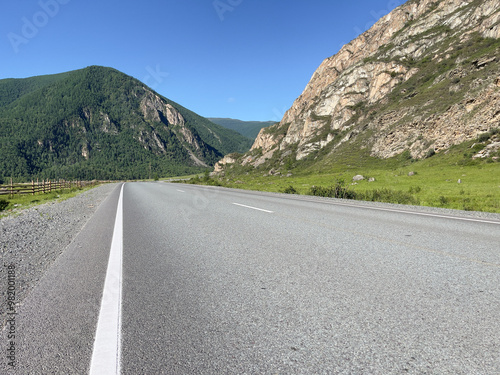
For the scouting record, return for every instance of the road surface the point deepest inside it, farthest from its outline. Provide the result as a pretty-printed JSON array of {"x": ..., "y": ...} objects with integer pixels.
[{"x": 205, "y": 280}]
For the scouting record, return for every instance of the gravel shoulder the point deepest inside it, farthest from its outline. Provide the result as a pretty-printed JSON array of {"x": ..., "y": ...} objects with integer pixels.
[{"x": 32, "y": 241}]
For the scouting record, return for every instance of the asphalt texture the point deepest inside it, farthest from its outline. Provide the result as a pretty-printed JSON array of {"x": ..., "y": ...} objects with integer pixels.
[
  {"x": 55, "y": 323},
  {"x": 220, "y": 281}
]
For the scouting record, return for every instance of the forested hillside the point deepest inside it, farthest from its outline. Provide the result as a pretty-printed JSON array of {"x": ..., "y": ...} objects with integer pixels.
[
  {"x": 100, "y": 123},
  {"x": 249, "y": 129}
]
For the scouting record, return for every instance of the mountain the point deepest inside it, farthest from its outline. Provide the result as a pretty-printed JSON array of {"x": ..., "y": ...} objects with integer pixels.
[
  {"x": 100, "y": 123},
  {"x": 249, "y": 129},
  {"x": 424, "y": 78}
]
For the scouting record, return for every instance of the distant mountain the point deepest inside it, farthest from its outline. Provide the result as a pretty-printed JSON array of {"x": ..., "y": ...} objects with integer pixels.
[
  {"x": 100, "y": 123},
  {"x": 249, "y": 129},
  {"x": 424, "y": 78}
]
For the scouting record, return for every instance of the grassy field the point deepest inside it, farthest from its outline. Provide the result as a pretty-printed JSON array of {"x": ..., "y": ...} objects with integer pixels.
[
  {"x": 449, "y": 180},
  {"x": 22, "y": 201},
  {"x": 187, "y": 177},
  {"x": 479, "y": 189}
]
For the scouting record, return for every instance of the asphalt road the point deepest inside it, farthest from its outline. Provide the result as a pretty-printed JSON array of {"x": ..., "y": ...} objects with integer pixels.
[{"x": 219, "y": 281}]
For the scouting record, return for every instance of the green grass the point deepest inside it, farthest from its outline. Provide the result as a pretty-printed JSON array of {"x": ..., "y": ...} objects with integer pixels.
[
  {"x": 434, "y": 183},
  {"x": 181, "y": 178},
  {"x": 437, "y": 84},
  {"x": 23, "y": 201},
  {"x": 479, "y": 189}
]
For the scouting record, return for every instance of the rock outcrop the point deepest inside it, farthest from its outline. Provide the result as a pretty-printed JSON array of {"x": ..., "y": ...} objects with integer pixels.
[
  {"x": 155, "y": 109},
  {"x": 219, "y": 166},
  {"x": 423, "y": 78}
]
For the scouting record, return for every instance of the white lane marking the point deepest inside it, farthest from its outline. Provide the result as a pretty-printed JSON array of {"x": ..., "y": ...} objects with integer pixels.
[
  {"x": 305, "y": 199},
  {"x": 107, "y": 345},
  {"x": 253, "y": 208},
  {"x": 181, "y": 191},
  {"x": 414, "y": 213}
]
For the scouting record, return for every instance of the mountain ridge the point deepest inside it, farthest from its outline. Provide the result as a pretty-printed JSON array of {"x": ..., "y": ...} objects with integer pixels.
[
  {"x": 249, "y": 129},
  {"x": 98, "y": 122},
  {"x": 392, "y": 89}
]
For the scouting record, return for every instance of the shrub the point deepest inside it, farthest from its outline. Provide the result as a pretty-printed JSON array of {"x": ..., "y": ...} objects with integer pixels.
[
  {"x": 3, "y": 204},
  {"x": 477, "y": 147},
  {"x": 443, "y": 200},
  {"x": 483, "y": 137},
  {"x": 406, "y": 155},
  {"x": 467, "y": 205},
  {"x": 414, "y": 189},
  {"x": 339, "y": 190},
  {"x": 390, "y": 196},
  {"x": 290, "y": 190}
]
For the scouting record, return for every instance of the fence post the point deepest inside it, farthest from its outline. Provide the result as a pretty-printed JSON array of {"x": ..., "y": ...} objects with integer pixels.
[
  {"x": 32, "y": 187},
  {"x": 11, "y": 189}
]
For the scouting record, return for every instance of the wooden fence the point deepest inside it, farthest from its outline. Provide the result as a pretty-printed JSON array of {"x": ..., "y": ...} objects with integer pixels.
[{"x": 42, "y": 187}]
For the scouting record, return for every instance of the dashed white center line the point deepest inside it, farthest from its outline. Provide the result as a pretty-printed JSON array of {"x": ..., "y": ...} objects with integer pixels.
[
  {"x": 253, "y": 208},
  {"x": 181, "y": 191},
  {"x": 107, "y": 345}
]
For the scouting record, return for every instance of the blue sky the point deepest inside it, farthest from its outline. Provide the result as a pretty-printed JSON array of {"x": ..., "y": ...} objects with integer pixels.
[{"x": 245, "y": 59}]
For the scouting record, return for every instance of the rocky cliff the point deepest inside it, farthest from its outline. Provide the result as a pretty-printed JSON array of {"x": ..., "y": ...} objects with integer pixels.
[
  {"x": 423, "y": 78},
  {"x": 155, "y": 109}
]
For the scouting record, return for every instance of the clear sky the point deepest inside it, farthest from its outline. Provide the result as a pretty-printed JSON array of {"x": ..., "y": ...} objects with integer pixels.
[{"x": 244, "y": 59}]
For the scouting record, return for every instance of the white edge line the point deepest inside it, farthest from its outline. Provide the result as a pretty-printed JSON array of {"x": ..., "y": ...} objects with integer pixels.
[
  {"x": 253, "y": 208},
  {"x": 415, "y": 213},
  {"x": 106, "y": 354}
]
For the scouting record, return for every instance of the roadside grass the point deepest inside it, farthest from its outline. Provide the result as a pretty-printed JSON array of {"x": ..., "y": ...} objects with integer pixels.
[
  {"x": 181, "y": 178},
  {"x": 448, "y": 180},
  {"x": 20, "y": 202},
  {"x": 478, "y": 190}
]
